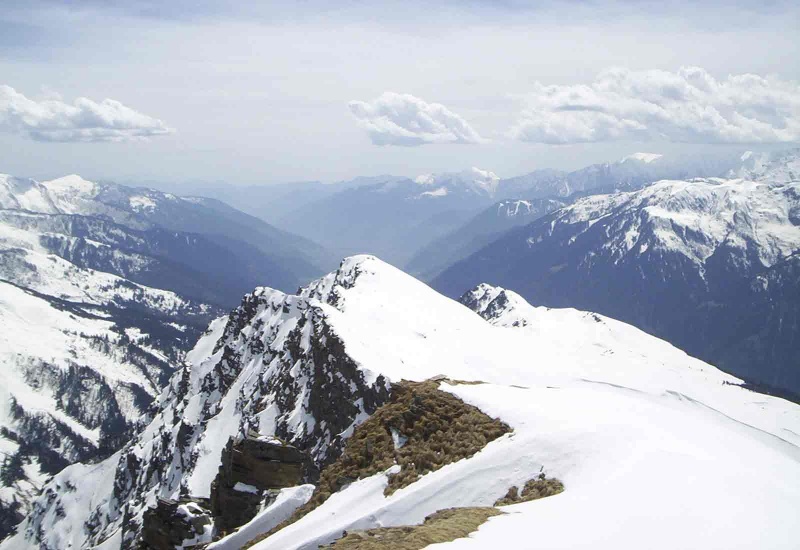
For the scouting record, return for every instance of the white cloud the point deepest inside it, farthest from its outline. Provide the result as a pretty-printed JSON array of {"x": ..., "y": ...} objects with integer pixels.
[
  {"x": 52, "y": 119},
  {"x": 402, "y": 119},
  {"x": 687, "y": 106}
]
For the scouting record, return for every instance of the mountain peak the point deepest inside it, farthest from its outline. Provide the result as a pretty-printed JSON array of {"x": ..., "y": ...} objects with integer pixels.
[
  {"x": 72, "y": 183},
  {"x": 647, "y": 158},
  {"x": 473, "y": 180},
  {"x": 777, "y": 167}
]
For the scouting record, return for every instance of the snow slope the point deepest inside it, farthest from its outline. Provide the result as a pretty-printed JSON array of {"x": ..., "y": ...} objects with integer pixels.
[
  {"x": 72, "y": 382},
  {"x": 634, "y": 427}
]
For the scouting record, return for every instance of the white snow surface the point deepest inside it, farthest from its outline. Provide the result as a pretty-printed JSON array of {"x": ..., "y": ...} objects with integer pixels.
[{"x": 656, "y": 449}]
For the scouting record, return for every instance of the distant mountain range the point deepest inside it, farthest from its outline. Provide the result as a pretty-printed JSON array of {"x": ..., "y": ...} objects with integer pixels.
[
  {"x": 479, "y": 231},
  {"x": 426, "y": 222},
  {"x": 710, "y": 265},
  {"x": 285, "y": 259}
]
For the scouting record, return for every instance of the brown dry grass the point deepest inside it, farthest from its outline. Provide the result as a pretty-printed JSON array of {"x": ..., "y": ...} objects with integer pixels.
[
  {"x": 443, "y": 526},
  {"x": 439, "y": 429},
  {"x": 534, "y": 489}
]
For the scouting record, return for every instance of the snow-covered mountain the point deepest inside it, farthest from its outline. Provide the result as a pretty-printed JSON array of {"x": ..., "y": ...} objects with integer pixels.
[
  {"x": 473, "y": 181},
  {"x": 82, "y": 356},
  {"x": 616, "y": 414},
  {"x": 531, "y": 196},
  {"x": 286, "y": 259},
  {"x": 80, "y": 370},
  {"x": 84, "y": 351},
  {"x": 710, "y": 265},
  {"x": 627, "y": 174},
  {"x": 100, "y": 297},
  {"x": 408, "y": 221}
]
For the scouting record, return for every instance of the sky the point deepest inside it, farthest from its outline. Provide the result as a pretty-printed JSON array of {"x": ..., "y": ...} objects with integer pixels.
[{"x": 213, "y": 91}]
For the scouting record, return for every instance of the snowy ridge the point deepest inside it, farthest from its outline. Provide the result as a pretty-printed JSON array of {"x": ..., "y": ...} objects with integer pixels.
[
  {"x": 56, "y": 277},
  {"x": 695, "y": 218},
  {"x": 511, "y": 208},
  {"x": 75, "y": 195},
  {"x": 25, "y": 194},
  {"x": 647, "y": 158},
  {"x": 627, "y": 174},
  {"x": 474, "y": 180},
  {"x": 781, "y": 167},
  {"x": 286, "y": 259},
  {"x": 595, "y": 402}
]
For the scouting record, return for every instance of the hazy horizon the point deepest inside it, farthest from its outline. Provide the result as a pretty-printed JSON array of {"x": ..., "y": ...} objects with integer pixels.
[{"x": 204, "y": 92}]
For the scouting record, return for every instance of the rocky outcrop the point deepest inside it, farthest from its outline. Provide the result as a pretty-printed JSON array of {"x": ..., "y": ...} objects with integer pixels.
[
  {"x": 275, "y": 366},
  {"x": 174, "y": 524},
  {"x": 252, "y": 468}
]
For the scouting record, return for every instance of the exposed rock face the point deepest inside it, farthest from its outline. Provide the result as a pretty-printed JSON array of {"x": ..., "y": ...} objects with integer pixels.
[
  {"x": 250, "y": 468},
  {"x": 170, "y": 524}
]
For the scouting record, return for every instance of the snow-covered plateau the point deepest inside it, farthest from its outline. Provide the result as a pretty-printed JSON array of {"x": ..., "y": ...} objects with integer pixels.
[{"x": 655, "y": 449}]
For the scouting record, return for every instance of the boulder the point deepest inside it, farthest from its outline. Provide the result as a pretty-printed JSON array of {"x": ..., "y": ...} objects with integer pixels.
[
  {"x": 176, "y": 523},
  {"x": 253, "y": 469}
]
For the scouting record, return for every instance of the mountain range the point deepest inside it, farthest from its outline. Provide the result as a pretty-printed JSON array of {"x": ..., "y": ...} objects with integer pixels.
[
  {"x": 141, "y": 411},
  {"x": 364, "y": 362},
  {"x": 410, "y": 221}
]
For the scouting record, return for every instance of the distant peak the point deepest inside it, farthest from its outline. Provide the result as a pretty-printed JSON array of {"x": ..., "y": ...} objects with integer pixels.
[
  {"x": 486, "y": 174},
  {"x": 425, "y": 179},
  {"x": 72, "y": 182},
  {"x": 474, "y": 179},
  {"x": 643, "y": 157}
]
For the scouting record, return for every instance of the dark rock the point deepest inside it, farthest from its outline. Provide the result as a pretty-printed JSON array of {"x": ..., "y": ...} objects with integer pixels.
[
  {"x": 172, "y": 523},
  {"x": 251, "y": 469}
]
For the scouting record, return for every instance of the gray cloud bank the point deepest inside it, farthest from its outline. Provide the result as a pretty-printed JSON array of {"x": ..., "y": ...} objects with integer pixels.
[{"x": 82, "y": 121}]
